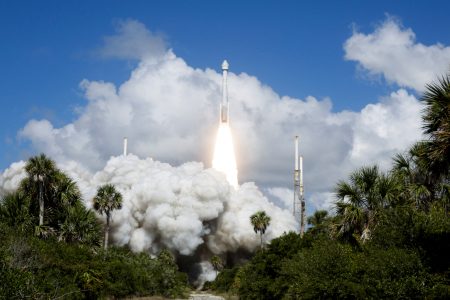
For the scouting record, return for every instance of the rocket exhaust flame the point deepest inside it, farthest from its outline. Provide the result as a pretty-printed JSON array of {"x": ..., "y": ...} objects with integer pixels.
[{"x": 224, "y": 159}]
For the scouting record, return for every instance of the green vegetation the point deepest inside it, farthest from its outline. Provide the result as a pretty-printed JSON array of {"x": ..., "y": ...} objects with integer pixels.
[
  {"x": 260, "y": 221},
  {"x": 217, "y": 263},
  {"x": 50, "y": 245},
  {"x": 389, "y": 236},
  {"x": 107, "y": 200}
]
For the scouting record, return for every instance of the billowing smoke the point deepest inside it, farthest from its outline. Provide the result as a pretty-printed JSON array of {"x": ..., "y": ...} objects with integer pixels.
[{"x": 188, "y": 209}]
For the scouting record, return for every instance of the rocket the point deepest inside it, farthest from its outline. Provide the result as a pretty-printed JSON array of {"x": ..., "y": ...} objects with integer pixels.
[{"x": 224, "y": 109}]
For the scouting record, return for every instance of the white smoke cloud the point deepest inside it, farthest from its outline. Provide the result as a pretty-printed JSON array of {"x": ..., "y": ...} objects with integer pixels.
[
  {"x": 207, "y": 274},
  {"x": 393, "y": 51},
  {"x": 283, "y": 197},
  {"x": 178, "y": 208}
]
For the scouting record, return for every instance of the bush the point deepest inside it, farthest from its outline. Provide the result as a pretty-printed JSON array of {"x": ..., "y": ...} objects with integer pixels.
[
  {"x": 408, "y": 228},
  {"x": 261, "y": 277},
  {"x": 328, "y": 269},
  {"x": 35, "y": 268},
  {"x": 224, "y": 280}
]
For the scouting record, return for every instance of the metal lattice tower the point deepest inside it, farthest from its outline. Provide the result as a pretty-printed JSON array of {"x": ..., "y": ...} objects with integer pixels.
[{"x": 298, "y": 207}]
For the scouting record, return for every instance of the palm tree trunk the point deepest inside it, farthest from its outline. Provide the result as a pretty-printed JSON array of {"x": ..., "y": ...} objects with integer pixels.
[
  {"x": 260, "y": 235},
  {"x": 41, "y": 205},
  {"x": 106, "y": 231}
]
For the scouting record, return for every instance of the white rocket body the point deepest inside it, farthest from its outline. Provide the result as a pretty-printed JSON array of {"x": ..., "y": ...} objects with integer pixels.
[{"x": 224, "y": 108}]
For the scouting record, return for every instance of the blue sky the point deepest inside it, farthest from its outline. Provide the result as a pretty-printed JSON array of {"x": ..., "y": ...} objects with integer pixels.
[{"x": 294, "y": 47}]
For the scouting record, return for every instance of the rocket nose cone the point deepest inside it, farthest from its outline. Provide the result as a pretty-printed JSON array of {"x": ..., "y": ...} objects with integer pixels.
[{"x": 225, "y": 65}]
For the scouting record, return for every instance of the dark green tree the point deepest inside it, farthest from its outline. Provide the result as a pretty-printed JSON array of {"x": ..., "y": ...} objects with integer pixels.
[
  {"x": 40, "y": 170},
  {"x": 260, "y": 222},
  {"x": 320, "y": 222},
  {"x": 15, "y": 212},
  {"x": 107, "y": 200},
  {"x": 436, "y": 125},
  {"x": 360, "y": 199},
  {"x": 80, "y": 226},
  {"x": 411, "y": 172}
]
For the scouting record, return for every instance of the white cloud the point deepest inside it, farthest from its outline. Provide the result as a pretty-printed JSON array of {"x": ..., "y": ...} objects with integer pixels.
[
  {"x": 133, "y": 41},
  {"x": 393, "y": 52},
  {"x": 321, "y": 201},
  {"x": 169, "y": 111}
]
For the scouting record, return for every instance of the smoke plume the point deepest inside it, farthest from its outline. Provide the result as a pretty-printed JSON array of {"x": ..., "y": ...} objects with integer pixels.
[{"x": 184, "y": 209}]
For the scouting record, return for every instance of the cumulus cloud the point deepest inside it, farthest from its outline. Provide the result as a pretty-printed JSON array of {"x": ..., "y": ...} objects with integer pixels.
[
  {"x": 11, "y": 178},
  {"x": 169, "y": 111},
  {"x": 132, "y": 41},
  {"x": 392, "y": 51}
]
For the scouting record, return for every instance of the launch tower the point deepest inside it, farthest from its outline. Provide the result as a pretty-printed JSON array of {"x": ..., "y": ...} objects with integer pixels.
[{"x": 298, "y": 207}]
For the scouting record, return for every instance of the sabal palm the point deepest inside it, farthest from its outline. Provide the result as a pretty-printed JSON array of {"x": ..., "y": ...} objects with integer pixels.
[
  {"x": 411, "y": 171},
  {"x": 318, "y": 218},
  {"x": 40, "y": 170},
  {"x": 64, "y": 195},
  {"x": 436, "y": 125},
  {"x": 80, "y": 225},
  {"x": 260, "y": 222},
  {"x": 107, "y": 200},
  {"x": 15, "y": 211},
  {"x": 360, "y": 199},
  {"x": 319, "y": 221}
]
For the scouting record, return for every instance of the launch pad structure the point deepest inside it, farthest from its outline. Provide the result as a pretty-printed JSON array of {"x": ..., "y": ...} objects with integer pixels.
[{"x": 298, "y": 207}]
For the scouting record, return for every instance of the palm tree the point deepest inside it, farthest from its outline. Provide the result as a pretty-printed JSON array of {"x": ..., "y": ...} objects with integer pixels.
[
  {"x": 411, "y": 171},
  {"x": 436, "y": 119},
  {"x": 80, "y": 226},
  {"x": 360, "y": 200},
  {"x": 65, "y": 194},
  {"x": 15, "y": 211},
  {"x": 319, "y": 222},
  {"x": 318, "y": 218},
  {"x": 260, "y": 222},
  {"x": 40, "y": 170},
  {"x": 217, "y": 263},
  {"x": 107, "y": 200}
]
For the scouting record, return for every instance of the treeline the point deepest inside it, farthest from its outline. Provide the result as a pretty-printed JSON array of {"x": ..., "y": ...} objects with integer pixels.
[
  {"x": 51, "y": 245},
  {"x": 387, "y": 238}
]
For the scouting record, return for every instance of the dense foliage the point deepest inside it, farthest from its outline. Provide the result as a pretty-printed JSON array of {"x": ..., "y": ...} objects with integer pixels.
[
  {"x": 50, "y": 247},
  {"x": 43, "y": 269},
  {"x": 389, "y": 236},
  {"x": 406, "y": 257}
]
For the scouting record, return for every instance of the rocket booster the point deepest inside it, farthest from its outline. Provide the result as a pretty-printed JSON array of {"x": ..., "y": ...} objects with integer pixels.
[{"x": 224, "y": 109}]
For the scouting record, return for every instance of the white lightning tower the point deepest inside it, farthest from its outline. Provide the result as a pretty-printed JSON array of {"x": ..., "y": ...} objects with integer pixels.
[
  {"x": 302, "y": 200},
  {"x": 125, "y": 146},
  {"x": 298, "y": 207}
]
